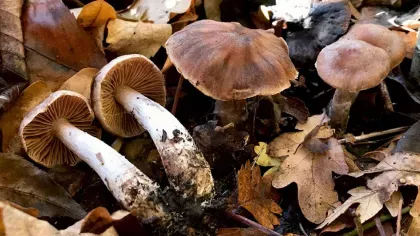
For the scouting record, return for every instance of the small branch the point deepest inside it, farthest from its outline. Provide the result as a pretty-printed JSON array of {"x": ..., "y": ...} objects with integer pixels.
[
  {"x": 177, "y": 94},
  {"x": 380, "y": 226},
  {"x": 302, "y": 229},
  {"x": 372, "y": 224},
  {"x": 400, "y": 203},
  {"x": 359, "y": 138},
  {"x": 389, "y": 107},
  {"x": 251, "y": 223}
]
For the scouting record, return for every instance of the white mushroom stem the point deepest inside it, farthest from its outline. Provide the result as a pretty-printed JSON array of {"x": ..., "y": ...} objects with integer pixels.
[
  {"x": 132, "y": 188},
  {"x": 185, "y": 165},
  {"x": 339, "y": 109}
]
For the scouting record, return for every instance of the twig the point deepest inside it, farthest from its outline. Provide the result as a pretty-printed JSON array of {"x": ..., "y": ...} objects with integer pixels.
[
  {"x": 251, "y": 223},
  {"x": 302, "y": 229},
  {"x": 400, "y": 203},
  {"x": 380, "y": 227},
  {"x": 372, "y": 224},
  {"x": 76, "y": 2},
  {"x": 362, "y": 137},
  {"x": 389, "y": 107},
  {"x": 177, "y": 94}
]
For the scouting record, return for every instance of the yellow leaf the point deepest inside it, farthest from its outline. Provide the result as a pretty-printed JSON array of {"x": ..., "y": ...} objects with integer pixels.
[
  {"x": 96, "y": 13},
  {"x": 263, "y": 159}
]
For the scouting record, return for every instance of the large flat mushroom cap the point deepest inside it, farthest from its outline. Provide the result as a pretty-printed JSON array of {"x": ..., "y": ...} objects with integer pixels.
[
  {"x": 352, "y": 65},
  {"x": 228, "y": 61},
  {"x": 136, "y": 72},
  {"x": 381, "y": 37},
  {"x": 37, "y": 133}
]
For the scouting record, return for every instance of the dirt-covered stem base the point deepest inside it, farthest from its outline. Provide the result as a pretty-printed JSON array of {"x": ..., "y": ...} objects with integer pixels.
[{"x": 339, "y": 109}]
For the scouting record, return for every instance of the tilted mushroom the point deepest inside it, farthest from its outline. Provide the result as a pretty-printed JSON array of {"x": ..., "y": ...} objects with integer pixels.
[
  {"x": 230, "y": 63},
  {"x": 60, "y": 131},
  {"x": 121, "y": 103},
  {"x": 350, "y": 66}
]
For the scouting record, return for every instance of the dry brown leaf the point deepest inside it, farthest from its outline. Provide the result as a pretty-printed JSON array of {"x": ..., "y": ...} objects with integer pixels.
[
  {"x": 240, "y": 232},
  {"x": 81, "y": 82},
  {"x": 125, "y": 37},
  {"x": 10, "y": 121},
  {"x": 393, "y": 203},
  {"x": 287, "y": 143},
  {"x": 312, "y": 172},
  {"x": 396, "y": 170},
  {"x": 341, "y": 223},
  {"x": 56, "y": 46},
  {"x": 369, "y": 205},
  {"x": 212, "y": 9},
  {"x": 158, "y": 12},
  {"x": 414, "y": 229},
  {"x": 410, "y": 40},
  {"x": 96, "y": 14},
  {"x": 254, "y": 195}
]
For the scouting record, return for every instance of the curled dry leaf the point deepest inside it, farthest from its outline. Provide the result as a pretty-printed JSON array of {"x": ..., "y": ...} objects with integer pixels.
[
  {"x": 156, "y": 11},
  {"x": 96, "y": 14},
  {"x": 369, "y": 205},
  {"x": 414, "y": 229},
  {"x": 254, "y": 195},
  {"x": 263, "y": 159},
  {"x": 393, "y": 203},
  {"x": 398, "y": 169},
  {"x": 54, "y": 51},
  {"x": 10, "y": 121},
  {"x": 81, "y": 82},
  {"x": 125, "y": 37},
  {"x": 312, "y": 172},
  {"x": 29, "y": 186}
]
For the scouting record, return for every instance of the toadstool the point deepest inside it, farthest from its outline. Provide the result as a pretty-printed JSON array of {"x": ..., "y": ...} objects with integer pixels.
[
  {"x": 121, "y": 103},
  {"x": 229, "y": 62},
  {"x": 350, "y": 66},
  {"x": 60, "y": 131}
]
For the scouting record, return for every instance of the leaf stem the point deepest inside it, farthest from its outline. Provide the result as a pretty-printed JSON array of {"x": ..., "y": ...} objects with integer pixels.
[
  {"x": 372, "y": 135},
  {"x": 250, "y": 223}
]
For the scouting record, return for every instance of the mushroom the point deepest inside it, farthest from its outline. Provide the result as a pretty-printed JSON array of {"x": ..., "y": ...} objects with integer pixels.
[
  {"x": 121, "y": 103},
  {"x": 350, "y": 66},
  {"x": 60, "y": 131},
  {"x": 227, "y": 61}
]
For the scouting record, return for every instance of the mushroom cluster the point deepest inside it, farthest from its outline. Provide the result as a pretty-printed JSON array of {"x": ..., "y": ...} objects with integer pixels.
[
  {"x": 127, "y": 97},
  {"x": 360, "y": 60}
]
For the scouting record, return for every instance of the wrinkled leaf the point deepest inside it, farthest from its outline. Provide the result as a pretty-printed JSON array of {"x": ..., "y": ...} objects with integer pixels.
[
  {"x": 56, "y": 46},
  {"x": 414, "y": 229},
  {"x": 95, "y": 14},
  {"x": 10, "y": 121},
  {"x": 312, "y": 172},
  {"x": 369, "y": 205},
  {"x": 240, "y": 232},
  {"x": 156, "y": 11},
  {"x": 24, "y": 184},
  {"x": 125, "y": 37},
  {"x": 254, "y": 195},
  {"x": 265, "y": 160}
]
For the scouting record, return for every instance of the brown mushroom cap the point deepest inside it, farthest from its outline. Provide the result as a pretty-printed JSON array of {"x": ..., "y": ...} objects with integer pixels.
[
  {"x": 228, "y": 61},
  {"x": 381, "y": 37},
  {"x": 352, "y": 65},
  {"x": 136, "y": 72},
  {"x": 36, "y": 129}
]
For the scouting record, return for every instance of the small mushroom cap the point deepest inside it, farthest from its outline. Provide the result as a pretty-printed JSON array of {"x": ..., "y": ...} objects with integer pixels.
[
  {"x": 228, "y": 61},
  {"x": 352, "y": 65},
  {"x": 36, "y": 129},
  {"x": 381, "y": 37},
  {"x": 135, "y": 71}
]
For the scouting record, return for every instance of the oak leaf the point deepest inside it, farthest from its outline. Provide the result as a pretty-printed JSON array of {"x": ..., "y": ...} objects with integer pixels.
[
  {"x": 96, "y": 14},
  {"x": 263, "y": 159},
  {"x": 312, "y": 172},
  {"x": 414, "y": 229},
  {"x": 240, "y": 232},
  {"x": 81, "y": 82},
  {"x": 393, "y": 203},
  {"x": 125, "y": 37},
  {"x": 254, "y": 195}
]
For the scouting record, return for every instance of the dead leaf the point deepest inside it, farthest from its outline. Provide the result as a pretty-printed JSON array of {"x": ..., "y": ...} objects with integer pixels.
[
  {"x": 396, "y": 170},
  {"x": 154, "y": 11},
  {"x": 265, "y": 160},
  {"x": 254, "y": 195},
  {"x": 81, "y": 82},
  {"x": 393, "y": 203},
  {"x": 29, "y": 186},
  {"x": 287, "y": 143},
  {"x": 212, "y": 9},
  {"x": 341, "y": 223},
  {"x": 95, "y": 14},
  {"x": 10, "y": 121},
  {"x": 96, "y": 33},
  {"x": 414, "y": 229},
  {"x": 410, "y": 40},
  {"x": 312, "y": 172},
  {"x": 369, "y": 205},
  {"x": 56, "y": 46},
  {"x": 125, "y": 37},
  {"x": 240, "y": 232}
]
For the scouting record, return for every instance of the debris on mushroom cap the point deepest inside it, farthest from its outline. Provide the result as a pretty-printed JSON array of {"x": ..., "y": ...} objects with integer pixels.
[
  {"x": 381, "y": 37},
  {"x": 135, "y": 71},
  {"x": 352, "y": 65},
  {"x": 228, "y": 61},
  {"x": 36, "y": 129}
]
